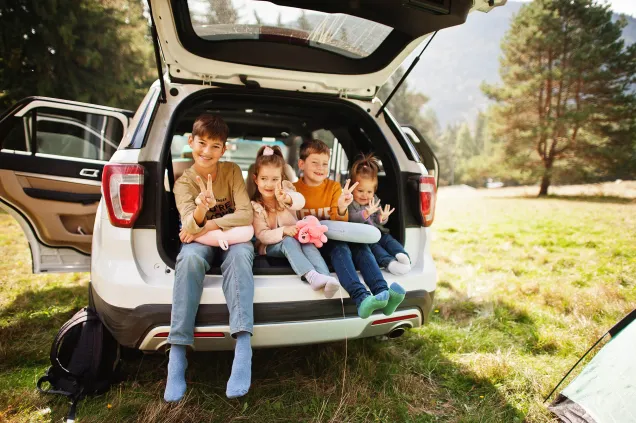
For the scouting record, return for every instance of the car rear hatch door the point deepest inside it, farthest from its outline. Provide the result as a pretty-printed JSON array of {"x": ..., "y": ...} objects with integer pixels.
[{"x": 324, "y": 46}]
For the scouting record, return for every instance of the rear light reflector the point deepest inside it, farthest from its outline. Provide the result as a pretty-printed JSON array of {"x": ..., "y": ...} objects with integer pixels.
[
  {"x": 123, "y": 191},
  {"x": 196, "y": 335},
  {"x": 428, "y": 197},
  {"x": 209, "y": 335},
  {"x": 394, "y": 319}
]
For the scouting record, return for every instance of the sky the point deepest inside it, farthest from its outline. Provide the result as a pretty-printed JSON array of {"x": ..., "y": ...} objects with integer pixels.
[
  {"x": 627, "y": 7},
  {"x": 268, "y": 12}
]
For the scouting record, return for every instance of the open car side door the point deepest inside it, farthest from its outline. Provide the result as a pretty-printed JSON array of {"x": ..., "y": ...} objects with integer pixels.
[{"x": 52, "y": 153}]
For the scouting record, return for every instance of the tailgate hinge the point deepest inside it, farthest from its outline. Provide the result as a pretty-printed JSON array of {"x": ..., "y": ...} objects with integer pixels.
[{"x": 207, "y": 79}]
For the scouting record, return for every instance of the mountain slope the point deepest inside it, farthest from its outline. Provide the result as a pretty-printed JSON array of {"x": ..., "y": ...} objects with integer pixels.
[{"x": 459, "y": 59}]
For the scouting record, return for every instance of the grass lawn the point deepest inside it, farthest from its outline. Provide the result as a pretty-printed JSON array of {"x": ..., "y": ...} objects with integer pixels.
[{"x": 525, "y": 287}]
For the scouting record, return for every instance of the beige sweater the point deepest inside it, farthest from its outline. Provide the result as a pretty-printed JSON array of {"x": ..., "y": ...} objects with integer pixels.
[
  {"x": 272, "y": 233},
  {"x": 232, "y": 203}
]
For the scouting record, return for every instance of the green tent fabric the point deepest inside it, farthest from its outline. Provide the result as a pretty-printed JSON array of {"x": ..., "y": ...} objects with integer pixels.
[{"x": 605, "y": 390}]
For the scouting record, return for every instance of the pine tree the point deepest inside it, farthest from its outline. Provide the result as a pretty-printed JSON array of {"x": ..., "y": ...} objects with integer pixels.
[
  {"x": 221, "y": 12},
  {"x": 406, "y": 104},
  {"x": 407, "y": 107},
  {"x": 566, "y": 85},
  {"x": 257, "y": 18},
  {"x": 481, "y": 132},
  {"x": 466, "y": 143},
  {"x": 303, "y": 22},
  {"x": 448, "y": 156},
  {"x": 90, "y": 51}
]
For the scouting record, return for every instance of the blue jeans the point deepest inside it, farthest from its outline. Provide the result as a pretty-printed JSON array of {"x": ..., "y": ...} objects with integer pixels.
[
  {"x": 344, "y": 258},
  {"x": 385, "y": 249},
  {"x": 302, "y": 257},
  {"x": 238, "y": 288}
]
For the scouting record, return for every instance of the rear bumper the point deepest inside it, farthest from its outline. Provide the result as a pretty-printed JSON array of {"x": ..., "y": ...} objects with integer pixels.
[
  {"x": 275, "y": 324},
  {"x": 214, "y": 338}
]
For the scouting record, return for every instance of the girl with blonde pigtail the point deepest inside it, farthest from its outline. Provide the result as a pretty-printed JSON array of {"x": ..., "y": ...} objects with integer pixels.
[{"x": 366, "y": 208}]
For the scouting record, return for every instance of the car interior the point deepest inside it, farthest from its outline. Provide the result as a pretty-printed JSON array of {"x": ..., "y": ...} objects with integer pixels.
[{"x": 285, "y": 125}]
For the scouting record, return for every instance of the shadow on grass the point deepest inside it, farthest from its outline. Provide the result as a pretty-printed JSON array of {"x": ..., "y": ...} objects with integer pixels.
[
  {"x": 29, "y": 324},
  {"x": 407, "y": 379}
]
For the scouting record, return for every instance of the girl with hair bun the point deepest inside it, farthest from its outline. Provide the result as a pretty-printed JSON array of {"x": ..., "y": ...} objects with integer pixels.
[
  {"x": 275, "y": 203},
  {"x": 366, "y": 208}
]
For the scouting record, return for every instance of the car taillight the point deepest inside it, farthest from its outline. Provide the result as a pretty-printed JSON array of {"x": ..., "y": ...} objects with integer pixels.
[
  {"x": 123, "y": 191},
  {"x": 428, "y": 195}
]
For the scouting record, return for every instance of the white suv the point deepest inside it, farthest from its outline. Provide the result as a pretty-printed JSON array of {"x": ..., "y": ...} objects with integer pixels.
[{"x": 273, "y": 82}]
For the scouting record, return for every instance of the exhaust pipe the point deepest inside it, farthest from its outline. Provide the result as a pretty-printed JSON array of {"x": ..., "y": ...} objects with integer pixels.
[{"x": 397, "y": 332}]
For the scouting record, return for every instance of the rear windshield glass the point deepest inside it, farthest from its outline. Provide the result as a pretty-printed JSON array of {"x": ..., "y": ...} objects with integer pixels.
[
  {"x": 238, "y": 150},
  {"x": 221, "y": 20}
]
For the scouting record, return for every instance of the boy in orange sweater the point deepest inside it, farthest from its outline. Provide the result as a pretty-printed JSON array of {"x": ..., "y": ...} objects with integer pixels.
[{"x": 325, "y": 199}]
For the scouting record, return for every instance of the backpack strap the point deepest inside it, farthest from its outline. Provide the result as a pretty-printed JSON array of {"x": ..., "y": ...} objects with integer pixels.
[
  {"x": 46, "y": 378},
  {"x": 79, "y": 317},
  {"x": 70, "y": 417},
  {"x": 95, "y": 359},
  {"x": 83, "y": 316}
]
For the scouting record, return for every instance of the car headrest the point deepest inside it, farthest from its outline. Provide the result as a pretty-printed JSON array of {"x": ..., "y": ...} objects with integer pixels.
[{"x": 180, "y": 165}]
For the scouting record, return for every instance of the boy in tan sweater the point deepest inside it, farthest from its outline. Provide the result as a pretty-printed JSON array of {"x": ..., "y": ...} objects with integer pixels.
[{"x": 221, "y": 202}]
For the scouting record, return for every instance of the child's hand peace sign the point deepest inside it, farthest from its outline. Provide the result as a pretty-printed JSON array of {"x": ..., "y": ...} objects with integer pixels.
[
  {"x": 373, "y": 207},
  {"x": 205, "y": 200},
  {"x": 281, "y": 195},
  {"x": 384, "y": 214},
  {"x": 346, "y": 197}
]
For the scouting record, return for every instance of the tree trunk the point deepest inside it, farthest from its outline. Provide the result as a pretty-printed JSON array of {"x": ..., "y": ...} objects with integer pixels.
[{"x": 545, "y": 181}]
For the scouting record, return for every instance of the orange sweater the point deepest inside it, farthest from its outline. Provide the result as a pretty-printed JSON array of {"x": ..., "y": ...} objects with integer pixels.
[{"x": 321, "y": 201}]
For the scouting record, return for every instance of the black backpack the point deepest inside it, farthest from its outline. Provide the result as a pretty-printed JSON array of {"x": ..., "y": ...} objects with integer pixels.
[{"x": 84, "y": 359}]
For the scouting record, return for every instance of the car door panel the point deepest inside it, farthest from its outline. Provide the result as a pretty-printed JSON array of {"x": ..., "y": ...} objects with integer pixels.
[
  {"x": 48, "y": 215},
  {"x": 50, "y": 175}
]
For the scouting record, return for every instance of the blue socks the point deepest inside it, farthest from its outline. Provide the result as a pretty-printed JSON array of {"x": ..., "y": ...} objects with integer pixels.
[
  {"x": 372, "y": 303},
  {"x": 241, "y": 376},
  {"x": 177, "y": 364},
  {"x": 240, "y": 379}
]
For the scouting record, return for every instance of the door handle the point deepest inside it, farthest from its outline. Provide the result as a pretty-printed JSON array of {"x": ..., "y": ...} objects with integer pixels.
[{"x": 91, "y": 173}]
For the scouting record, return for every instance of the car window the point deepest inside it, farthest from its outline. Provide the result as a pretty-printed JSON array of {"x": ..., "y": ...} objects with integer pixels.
[
  {"x": 238, "y": 150},
  {"x": 404, "y": 140},
  {"x": 342, "y": 34},
  {"x": 16, "y": 133},
  {"x": 243, "y": 152},
  {"x": 71, "y": 133},
  {"x": 338, "y": 160}
]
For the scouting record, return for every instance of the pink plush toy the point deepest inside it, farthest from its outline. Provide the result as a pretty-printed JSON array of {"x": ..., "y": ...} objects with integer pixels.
[
  {"x": 224, "y": 239},
  {"x": 310, "y": 230}
]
